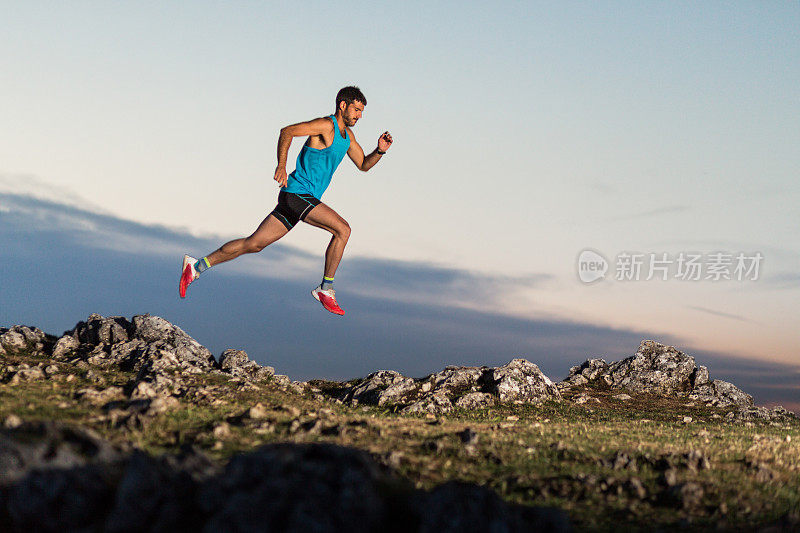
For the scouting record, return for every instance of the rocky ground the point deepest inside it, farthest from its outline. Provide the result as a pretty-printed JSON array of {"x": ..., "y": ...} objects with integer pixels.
[{"x": 131, "y": 425}]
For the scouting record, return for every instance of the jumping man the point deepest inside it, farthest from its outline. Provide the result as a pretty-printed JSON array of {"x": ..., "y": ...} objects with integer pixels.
[{"x": 329, "y": 139}]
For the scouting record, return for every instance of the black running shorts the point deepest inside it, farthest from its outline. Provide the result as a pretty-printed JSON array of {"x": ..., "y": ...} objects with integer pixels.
[{"x": 293, "y": 208}]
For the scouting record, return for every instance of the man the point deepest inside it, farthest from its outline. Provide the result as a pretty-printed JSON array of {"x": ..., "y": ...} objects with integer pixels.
[{"x": 329, "y": 139}]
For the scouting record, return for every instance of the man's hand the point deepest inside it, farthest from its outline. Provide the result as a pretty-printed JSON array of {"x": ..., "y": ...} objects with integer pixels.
[
  {"x": 384, "y": 141},
  {"x": 280, "y": 176}
]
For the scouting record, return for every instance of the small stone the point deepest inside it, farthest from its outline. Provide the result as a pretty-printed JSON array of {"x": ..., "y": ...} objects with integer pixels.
[
  {"x": 669, "y": 477},
  {"x": 395, "y": 459},
  {"x": 690, "y": 495},
  {"x": 622, "y": 397},
  {"x": 512, "y": 418},
  {"x": 258, "y": 412},
  {"x": 687, "y": 419},
  {"x": 143, "y": 390},
  {"x": 468, "y": 437},
  {"x": 788, "y": 438},
  {"x": 222, "y": 431},
  {"x": 637, "y": 488},
  {"x": 12, "y": 421},
  {"x": 162, "y": 404}
]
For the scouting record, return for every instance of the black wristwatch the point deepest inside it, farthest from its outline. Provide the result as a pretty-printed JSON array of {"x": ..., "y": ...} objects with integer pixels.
[{"x": 379, "y": 151}]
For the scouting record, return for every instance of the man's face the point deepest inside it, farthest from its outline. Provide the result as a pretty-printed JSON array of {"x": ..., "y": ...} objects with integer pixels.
[{"x": 352, "y": 113}]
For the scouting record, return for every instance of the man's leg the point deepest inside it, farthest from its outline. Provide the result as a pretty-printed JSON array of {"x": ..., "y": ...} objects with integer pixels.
[
  {"x": 322, "y": 216},
  {"x": 326, "y": 218},
  {"x": 269, "y": 231}
]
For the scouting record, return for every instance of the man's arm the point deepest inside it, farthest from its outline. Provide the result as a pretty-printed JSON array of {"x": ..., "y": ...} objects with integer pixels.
[
  {"x": 318, "y": 126},
  {"x": 363, "y": 162}
]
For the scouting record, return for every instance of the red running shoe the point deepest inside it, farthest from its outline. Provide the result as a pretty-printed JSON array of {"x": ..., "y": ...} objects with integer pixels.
[
  {"x": 328, "y": 300},
  {"x": 188, "y": 274}
]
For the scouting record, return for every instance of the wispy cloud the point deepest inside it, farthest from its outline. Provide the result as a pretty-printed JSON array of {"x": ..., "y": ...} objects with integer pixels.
[
  {"x": 719, "y": 313},
  {"x": 406, "y": 281}
]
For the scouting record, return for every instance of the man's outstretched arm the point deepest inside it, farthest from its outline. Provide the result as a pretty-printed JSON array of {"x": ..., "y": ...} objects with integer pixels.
[
  {"x": 363, "y": 162},
  {"x": 318, "y": 126}
]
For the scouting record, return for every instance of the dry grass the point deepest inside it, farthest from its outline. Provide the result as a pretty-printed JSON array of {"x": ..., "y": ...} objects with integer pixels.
[{"x": 611, "y": 464}]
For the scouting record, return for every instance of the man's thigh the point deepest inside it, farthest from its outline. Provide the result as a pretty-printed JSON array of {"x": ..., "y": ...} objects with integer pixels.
[
  {"x": 270, "y": 230},
  {"x": 323, "y": 216}
]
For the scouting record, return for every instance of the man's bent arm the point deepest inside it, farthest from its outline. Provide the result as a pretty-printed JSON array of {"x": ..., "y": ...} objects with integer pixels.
[
  {"x": 318, "y": 126},
  {"x": 364, "y": 163}
]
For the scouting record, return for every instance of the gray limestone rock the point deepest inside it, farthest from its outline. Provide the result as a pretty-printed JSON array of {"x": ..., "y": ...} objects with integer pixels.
[
  {"x": 582, "y": 374},
  {"x": 721, "y": 394},
  {"x": 521, "y": 380},
  {"x": 655, "y": 368},
  {"x": 436, "y": 403},
  {"x": 662, "y": 370},
  {"x": 171, "y": 341},
  {"x": 236, "y": 363},
  {"x": 476, "y": 400},
  {"x": 296, "y": 488},
  {"x": 369, "y": 389},
  {"x": 100, "y": 330},
  {"x": 21, "y": 338},
  {"x": 463, "y": 386},
  {"x": 37, "y": 445},
  {"x": 64, "y": 346}
]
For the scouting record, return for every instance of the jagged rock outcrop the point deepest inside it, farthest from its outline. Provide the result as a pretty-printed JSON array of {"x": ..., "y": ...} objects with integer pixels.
[
  {"x": 88, "y": 485},
  {"x": 466, "y": 387},
  {"x": 148, "y": 344},
  {"x": 658, "y": 369},
  {"x": 162, "y": 356}
]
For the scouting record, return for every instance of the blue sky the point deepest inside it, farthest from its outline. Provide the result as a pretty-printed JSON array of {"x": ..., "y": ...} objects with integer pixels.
[{"x": 524, "y": 133}]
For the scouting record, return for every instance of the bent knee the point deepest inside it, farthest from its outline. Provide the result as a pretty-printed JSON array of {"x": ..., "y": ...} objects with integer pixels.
[{"x": 343, "y": 231}]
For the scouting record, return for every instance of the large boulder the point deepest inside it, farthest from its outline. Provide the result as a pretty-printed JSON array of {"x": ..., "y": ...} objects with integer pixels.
[
  {"x": 21, "y": 339},
  {"x": 163, "y": 338},
  {"x": 655, "y": 368},
  {"x": 236, "y": 363},
  {"x": 658, "y": 369},
  {"x": 464, "y": 387},
  {"x": 100, "y": 330},
  {"x": 588, "y": 371},
  {"x": 42, "y": 445},
  {"x": 521, "y": 381},
  {"x": 150, "y": 346}
]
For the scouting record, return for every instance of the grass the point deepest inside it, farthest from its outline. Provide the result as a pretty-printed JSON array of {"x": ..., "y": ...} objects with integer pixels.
[{"x": 605, "y": 462}]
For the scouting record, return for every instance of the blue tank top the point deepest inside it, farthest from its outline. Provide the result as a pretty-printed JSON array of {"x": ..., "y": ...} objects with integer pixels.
[{"x": 314, "y": 168}]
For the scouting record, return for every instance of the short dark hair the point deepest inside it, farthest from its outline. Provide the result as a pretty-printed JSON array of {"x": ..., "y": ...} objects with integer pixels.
[{"x": 350, "y": 94}]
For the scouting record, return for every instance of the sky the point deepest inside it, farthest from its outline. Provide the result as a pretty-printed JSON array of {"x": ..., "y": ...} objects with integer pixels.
[{"x": 524, "y": 134}]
